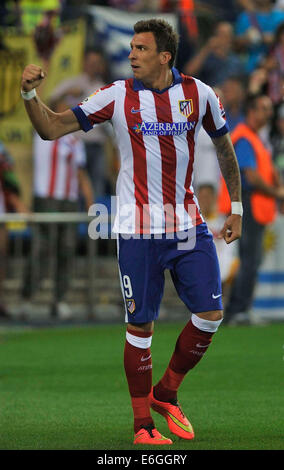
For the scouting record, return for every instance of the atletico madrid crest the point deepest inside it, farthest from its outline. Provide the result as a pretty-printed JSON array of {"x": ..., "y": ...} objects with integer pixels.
[
  {"x": 185, "y": 107},
  {"x": 130, "y": 305}
]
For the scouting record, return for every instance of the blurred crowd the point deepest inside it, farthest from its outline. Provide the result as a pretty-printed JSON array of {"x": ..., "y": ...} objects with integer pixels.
[{"x": 235, "y": 46}]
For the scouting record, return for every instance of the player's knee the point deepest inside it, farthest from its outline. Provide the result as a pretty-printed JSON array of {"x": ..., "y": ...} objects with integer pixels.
[
  {"x": 215, "y": 315},
  {"x": 208, "y": 321}
]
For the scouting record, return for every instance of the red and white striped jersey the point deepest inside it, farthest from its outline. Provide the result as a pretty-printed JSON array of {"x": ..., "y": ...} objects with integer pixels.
[
  {"x": 56, "y": 165},
  {"x": 156, "y": 133}
]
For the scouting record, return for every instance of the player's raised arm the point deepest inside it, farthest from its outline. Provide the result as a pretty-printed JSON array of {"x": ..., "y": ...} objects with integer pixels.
[
  {"x": 230, "y": 170},
  {"x": 49, "y": 125}
]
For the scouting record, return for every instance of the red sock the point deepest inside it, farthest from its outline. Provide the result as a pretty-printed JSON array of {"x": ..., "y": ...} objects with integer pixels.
[
  {"x": 138, "y": 369},
  {"x": 190, "y": 348}
]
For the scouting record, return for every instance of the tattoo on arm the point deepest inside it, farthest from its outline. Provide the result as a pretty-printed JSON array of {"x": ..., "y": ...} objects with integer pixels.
[{"x": 229, "y": 165}]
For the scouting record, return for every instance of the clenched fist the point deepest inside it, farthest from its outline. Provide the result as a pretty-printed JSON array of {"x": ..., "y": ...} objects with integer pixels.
[
  {"x": 32, "y": 77},
  {"x": 232, "y": 229}
]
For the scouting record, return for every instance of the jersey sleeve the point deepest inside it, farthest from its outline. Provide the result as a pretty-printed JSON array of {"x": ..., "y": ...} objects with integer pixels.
[
  {"x": 97, "y": 108},
  {"x": 214, "y": 119}
]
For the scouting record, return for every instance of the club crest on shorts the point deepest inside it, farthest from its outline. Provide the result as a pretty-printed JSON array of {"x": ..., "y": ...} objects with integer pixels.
[
  {"x": 130, "y": 305},
  {"x": 185, "y": 107}
]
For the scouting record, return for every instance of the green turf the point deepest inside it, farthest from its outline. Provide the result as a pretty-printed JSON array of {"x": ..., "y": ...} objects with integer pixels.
[{"x": 65, "y": 389}]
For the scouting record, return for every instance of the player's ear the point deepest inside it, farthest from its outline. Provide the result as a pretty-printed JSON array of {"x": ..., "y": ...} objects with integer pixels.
[{"x": 165, "y": 57}]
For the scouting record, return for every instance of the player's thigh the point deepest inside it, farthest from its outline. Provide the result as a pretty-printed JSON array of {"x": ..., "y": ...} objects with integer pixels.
[
  {"x": 142, "y": 279},
  {"x": 196, "y": 276}
]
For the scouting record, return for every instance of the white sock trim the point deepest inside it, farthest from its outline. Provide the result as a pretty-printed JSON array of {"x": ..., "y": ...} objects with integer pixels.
[
  {"x": 142, "y": 343},
  {"x": 205, "y": 325}
]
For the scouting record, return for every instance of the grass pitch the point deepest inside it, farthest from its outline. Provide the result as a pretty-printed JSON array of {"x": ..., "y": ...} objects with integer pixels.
[{"x": 65, "y": 389}]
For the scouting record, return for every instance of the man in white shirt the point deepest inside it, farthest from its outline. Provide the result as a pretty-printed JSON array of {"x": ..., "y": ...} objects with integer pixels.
[
  {"x": 75, "y": 89},
  {"x": 59, "y": 175}
]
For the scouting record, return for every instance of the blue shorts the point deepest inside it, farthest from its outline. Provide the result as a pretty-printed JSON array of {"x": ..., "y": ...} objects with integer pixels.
[{"x": 194, "y": 270}]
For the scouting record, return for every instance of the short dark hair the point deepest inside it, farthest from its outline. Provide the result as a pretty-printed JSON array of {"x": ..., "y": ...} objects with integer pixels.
[{"x": 165, "y": 36}]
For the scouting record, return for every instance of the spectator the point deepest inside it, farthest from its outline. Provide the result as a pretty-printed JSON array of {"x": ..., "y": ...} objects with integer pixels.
[
  {"x": 255, "y": 30},
  {"x": 33, "y": 12},
  {"x": 46, "y": 36},
  {"x": 257, "y": 82},
  {"x": 9, "y": 201},
  {"x": 257, "y": 85},
  {"x": 59, "y": 173},
  {"x": 216, "y": 61},
  {"x": 74, "y": 90},
  {"x": 187, "y": 26},
  {"x": 278, "y": 145},
  {"x": 274, "y": 64},
  {"x": 205, "y": 168},
  {"x": 261, "y": 189},
  {"x": 233, "y": 97},
  {"x": 227, "y": 10}
]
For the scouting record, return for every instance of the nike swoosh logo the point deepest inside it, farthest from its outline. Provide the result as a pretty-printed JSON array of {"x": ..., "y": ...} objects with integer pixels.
[
  {"x": 202, "y": 345},
  {"x": 185, "y": 427},
  {"x": 216, "y": 296},
  {"x": 137, "y": 110},
  {"x": 145, "y": 358}
]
